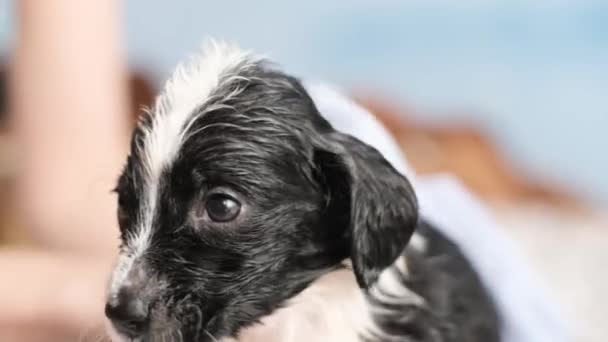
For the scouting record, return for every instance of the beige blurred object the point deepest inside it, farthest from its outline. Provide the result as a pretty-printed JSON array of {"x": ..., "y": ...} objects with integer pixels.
[
  {"x": 142, "y": 91},
  {"x": 69, "y": 121},
  {"x": 67, "y": 113},
  {"x": 569, "y": 251},
  {"x": 10, "y": 232},
  {"x": 463, "y": 150}
]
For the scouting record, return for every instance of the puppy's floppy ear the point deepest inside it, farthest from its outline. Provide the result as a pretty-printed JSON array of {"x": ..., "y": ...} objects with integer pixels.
[{"x": 373, "y": 201}]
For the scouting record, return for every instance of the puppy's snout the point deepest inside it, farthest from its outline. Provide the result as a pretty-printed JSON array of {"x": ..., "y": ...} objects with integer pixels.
[{"x": 128, "y": 312}]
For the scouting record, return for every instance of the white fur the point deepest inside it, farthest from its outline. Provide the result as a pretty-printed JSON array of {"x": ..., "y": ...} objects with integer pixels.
[
  {"x": 333, "y": 308},
  {"x": 418, "y": 242},
  {"x": 188, "y": 88}
]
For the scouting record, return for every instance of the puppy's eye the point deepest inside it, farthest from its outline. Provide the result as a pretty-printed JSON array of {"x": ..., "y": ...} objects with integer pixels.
[{"x": 222, "y": 208}]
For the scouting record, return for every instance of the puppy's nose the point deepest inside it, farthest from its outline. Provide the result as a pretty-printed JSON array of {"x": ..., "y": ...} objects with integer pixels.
[{"x": 128, "y": 313}]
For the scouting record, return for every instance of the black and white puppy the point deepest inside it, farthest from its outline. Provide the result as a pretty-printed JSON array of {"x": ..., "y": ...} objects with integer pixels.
[{"x": 245, "y": 216}]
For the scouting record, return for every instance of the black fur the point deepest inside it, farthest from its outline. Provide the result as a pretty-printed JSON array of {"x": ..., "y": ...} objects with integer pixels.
[
  {"x": 457, "y": 307},
  {"x": 311, "y": 197}
]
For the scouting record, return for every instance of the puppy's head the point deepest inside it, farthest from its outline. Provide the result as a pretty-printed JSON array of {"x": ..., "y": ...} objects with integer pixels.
[{"x": 236, "y": 195}]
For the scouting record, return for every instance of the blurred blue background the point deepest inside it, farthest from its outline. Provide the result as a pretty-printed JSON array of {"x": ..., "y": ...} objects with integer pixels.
[{"x": 533, "y": 73}]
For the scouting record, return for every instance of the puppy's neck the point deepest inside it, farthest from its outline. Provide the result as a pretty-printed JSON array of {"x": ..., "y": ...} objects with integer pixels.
[{"x": 332, "y": 308}]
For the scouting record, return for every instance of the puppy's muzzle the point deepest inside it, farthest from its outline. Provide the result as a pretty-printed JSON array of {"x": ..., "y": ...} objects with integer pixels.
[
  {"x": 128, "y": 307},
  {"x": 128, "y": 313}
]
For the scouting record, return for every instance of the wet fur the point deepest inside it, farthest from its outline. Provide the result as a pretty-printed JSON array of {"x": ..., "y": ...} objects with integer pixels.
[{"x": 321, "y": 245}]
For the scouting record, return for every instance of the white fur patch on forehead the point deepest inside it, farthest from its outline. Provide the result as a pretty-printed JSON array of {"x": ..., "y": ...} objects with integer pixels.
[
  {"x": 188, "y": 88},
  {"x": 167, "y": 126}
]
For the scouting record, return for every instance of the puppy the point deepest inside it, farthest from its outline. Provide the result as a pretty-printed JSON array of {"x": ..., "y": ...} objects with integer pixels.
[{"x": 244, "y": 216}]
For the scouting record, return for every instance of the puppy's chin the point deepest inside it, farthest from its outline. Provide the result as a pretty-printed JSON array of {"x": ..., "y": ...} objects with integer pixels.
[
  {"x": 172, "y": 334},
  {"x": 333, "y": 308},
  {"x": 113, "y": 335}
]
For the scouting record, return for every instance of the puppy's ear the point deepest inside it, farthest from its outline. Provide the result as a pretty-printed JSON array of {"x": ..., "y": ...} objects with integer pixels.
[{"x": 373, "y": 202}]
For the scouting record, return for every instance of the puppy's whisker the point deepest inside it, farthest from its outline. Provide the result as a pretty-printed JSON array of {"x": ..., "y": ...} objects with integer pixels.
[
  {"x": 174, "y": 336},
  {"x": 210, "y": 335}
]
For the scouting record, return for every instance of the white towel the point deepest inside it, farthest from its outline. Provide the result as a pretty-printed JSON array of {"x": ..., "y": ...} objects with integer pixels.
[{"x": 527, "y": 315}]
